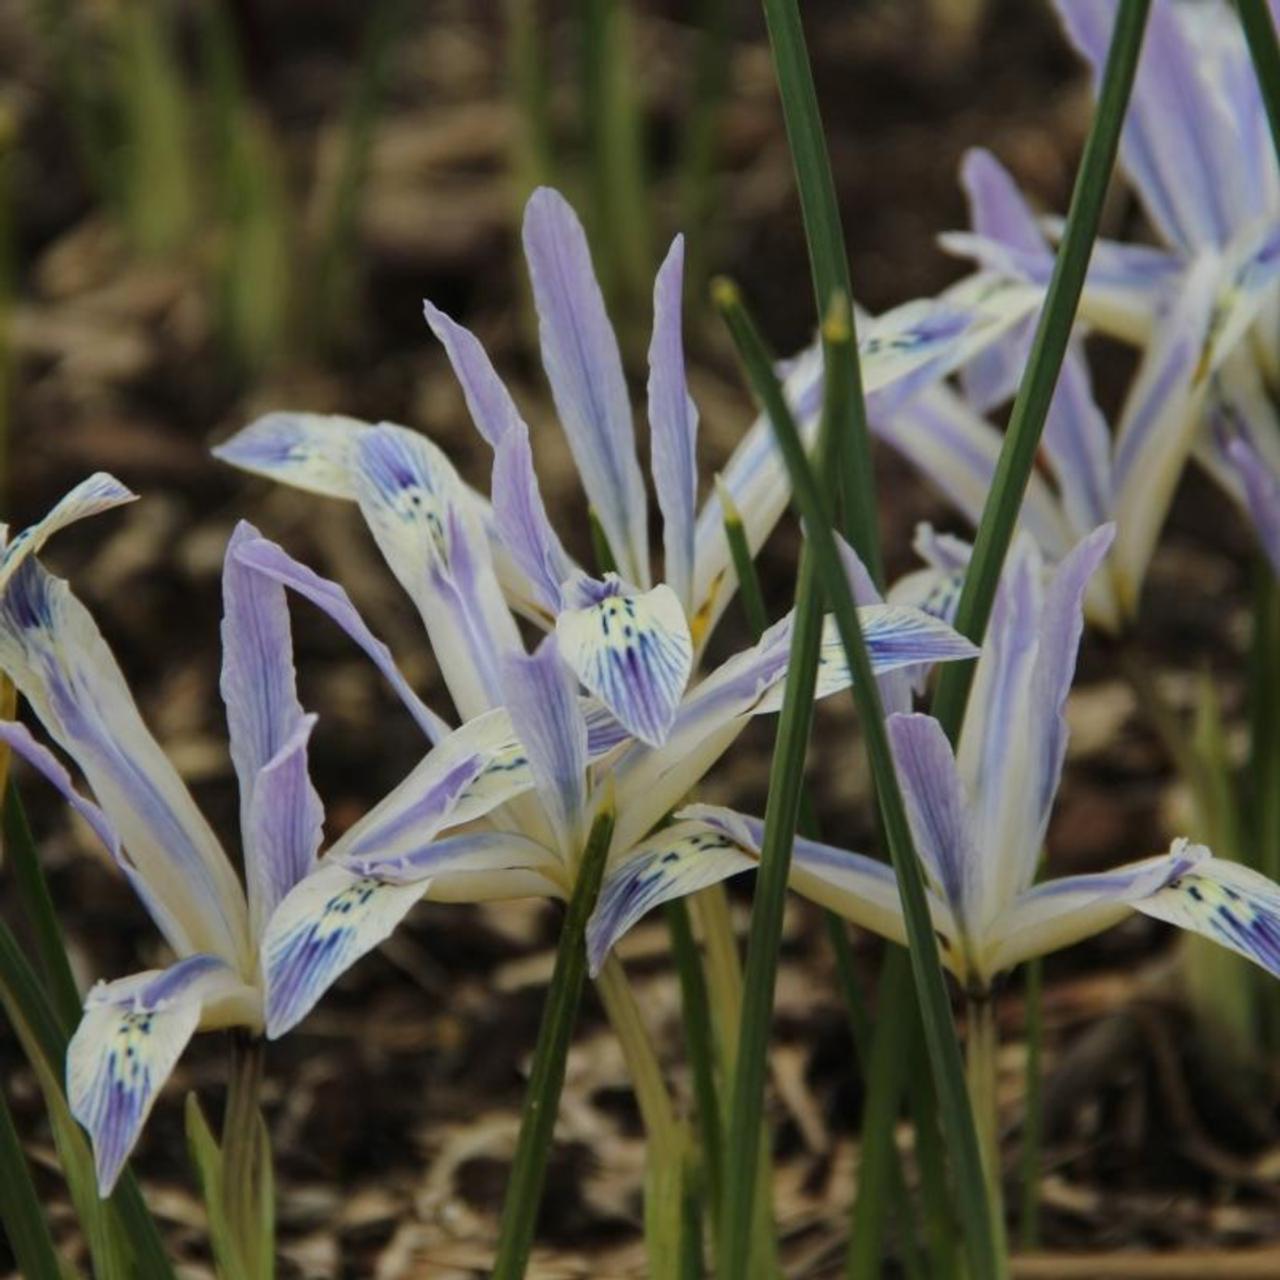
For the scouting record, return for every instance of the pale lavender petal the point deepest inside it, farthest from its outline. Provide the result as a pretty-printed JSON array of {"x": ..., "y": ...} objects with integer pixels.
[
  {"x": 1235, "y": 906},
  {"x": 676, "y": 861},
  {"x": 488, "y": 401},
  {"x": 1262, "y": 494},
  {"x": 271, "y": 560},
  {"x": 542, "y": 698},
  {"x": 1178, "y": 144},
  {"x": 131, "y": 1036},
  {"x": 895, "y": 686},
  {"x": 52, "y": 650},
  {"x": 673, "y": 426},
  {"x": 632, "y": 650},
  {"x": 936, "y": 805},
  {"x": 311, "y": 451},
  {"x": 1058, "y": 913},
  {"x": 522, "y": 521},
  {"x": 413, "y": 501},
  {"x": 100, "y": 492},
  {"x": 476, "y": 866},
  {"x": 583, "y": 364}
]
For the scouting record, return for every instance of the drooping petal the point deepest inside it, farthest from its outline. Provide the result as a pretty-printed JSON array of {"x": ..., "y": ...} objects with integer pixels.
[
  {"x": 542, "y": 699},
  {"x": 673, "y": 425},
  {"x": 132, "y": 1034},
  {"x": 280, "y": 813},
  {"x": 937, "y": 806},
  {"x": 676, "y": 861},
  {"x": 412, "y": 499},
  {"x": 632, "y": 650},
  {"x": 1237, "y": 907},
  {"x": 100, "y": 492},
  {"x": 1262, "y": 494},
  {"x": 311, "y": 451},
  {"x": 583, "y": 364},
  {"x": 52, "y": 650},
  {"x": 1060, "y": 912},
  {"x": 1179, "y": 142},
  {"x": 268, "y": 558},
  {"x": 324, "y": 925}
]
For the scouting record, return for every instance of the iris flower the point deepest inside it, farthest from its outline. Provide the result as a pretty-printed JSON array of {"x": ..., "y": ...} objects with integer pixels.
[
  {"x": 1204, "y": 306},
  {"x": 979, "y": 815},
  {"x": 135, "y": 1028},
  {"x": 378, "y": 466}
]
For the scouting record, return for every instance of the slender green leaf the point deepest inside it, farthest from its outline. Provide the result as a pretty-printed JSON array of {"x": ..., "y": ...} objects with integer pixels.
[
  {"x": 822, "y": 559},
  {"x": 531, "y": 154},
  {"x": 1031, "y": 405},
  {"x": 546, "y": 1079},
  {"x": 701, "y": 132},
  {"x": 20, "y": 1210},
  {"x": 1260, "y": 32},
  {"x": 1033, "y": 1125},
  {"x": 206, "y": 1158}
]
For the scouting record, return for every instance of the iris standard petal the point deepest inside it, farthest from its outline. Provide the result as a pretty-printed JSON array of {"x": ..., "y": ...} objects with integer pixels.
[
  {"x": 583, "y": 364},
  {"x": 673, "y": 427},
  {"x": 631, "y": 649},
  {"x": 131, "y": 1035},
  {"x": 542, "y": 700}
]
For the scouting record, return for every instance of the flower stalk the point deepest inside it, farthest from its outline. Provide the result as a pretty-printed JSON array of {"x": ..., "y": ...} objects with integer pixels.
[{"x": 244, "y": 1154}]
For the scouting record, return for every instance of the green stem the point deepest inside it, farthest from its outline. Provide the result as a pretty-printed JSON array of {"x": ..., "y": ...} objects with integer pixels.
[
  {"x": 241, "y": 1172},
  {"x": 1033, "y": 1125},
  {"x": 542, "y": 1099},
  {"x": 980, "y": 1075},
  {"x": 1030, "y": 407},
  {"x": 1260, "y": 32},
  {"x": 821, "y": 565},
  {"x": 23, "y": 1218}
]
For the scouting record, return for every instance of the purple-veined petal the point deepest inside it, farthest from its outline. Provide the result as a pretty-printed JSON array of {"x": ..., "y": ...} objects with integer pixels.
[
  {"x": 272, "y": 561},
  {"x": 1235, "y": 906},
  {"x": 1262, "y": 495},
  {"x": 673, "y": 426},
  {"x": 327, "y": 922},
  {"x": 583, "y": 364},
  {"x": 280, "y": 813},
  {"x": 489, "y": 402},
  {"x": 1158, "y": 424},
  {"x": 131, "y": 1035},
  {"x": 672, "y": 863},
  {"x": 475, "y": 866},
  {"x": 18, "y": 738},
  {"x": 311, "y": 451},
  {"x": 412, "y": 499},
  {"x": 1058, "y": 913},
  {"x": 632, "y": 650},
  {"x": 542, "y": 699},
  {"x": 51, "y": 648},
  {"x": 1179, "y": 143},
  {"x": 936, "y": 805},
  {"x": 895, "y": 686},
  {"x": 863, "y": 890},
  {"x": 522, "y": 523},
  {"x": 100, "y": 492}
]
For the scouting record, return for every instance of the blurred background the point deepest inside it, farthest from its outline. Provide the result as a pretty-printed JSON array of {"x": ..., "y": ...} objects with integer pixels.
[{"x": 211, "y": 210}]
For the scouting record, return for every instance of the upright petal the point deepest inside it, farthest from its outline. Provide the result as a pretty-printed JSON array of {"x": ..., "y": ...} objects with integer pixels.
[
  {"x": 52, "y": 650},
  {"x": 412, "y": 500},
  {"x": 1058, "y": 913},
  {"x": 1179, "y": 142},
  {"x": 673, "y": 426},
  {"x": 632, "y": 650},
  {"x": 131, "y": 1036},
  {"x": 272, "y": 561},
  {"x": 583, "y": 364},
  {"x": 1262, "y": 495},
  {"x": 100, "y": 492},
  {"x": 542, "y": 699},
  {"x": 280, "y": 813}
]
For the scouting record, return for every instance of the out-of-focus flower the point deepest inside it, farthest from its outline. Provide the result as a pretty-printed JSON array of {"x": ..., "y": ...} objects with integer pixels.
[
  {"x": 135, "y": 1028},
  {"x": 979, "y": 817},
  {"x": 1205, "y": 307}
]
